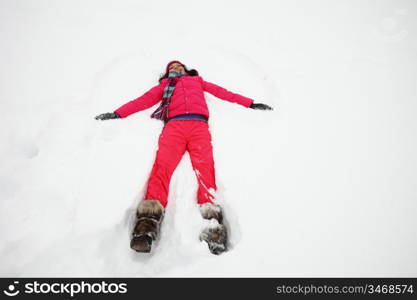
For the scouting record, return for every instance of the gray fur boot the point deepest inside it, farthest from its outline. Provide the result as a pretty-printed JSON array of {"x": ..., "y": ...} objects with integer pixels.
[
  {"x": 149, "y": 216},
  {"x": 215, "y": 234}
]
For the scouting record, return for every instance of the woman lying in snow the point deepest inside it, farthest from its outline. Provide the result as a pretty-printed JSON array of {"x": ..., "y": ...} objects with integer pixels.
[{"x": 185, "y": 114}]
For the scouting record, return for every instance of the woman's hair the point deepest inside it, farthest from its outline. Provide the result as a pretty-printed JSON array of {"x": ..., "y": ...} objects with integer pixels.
[{"x": 192, "y": 72}]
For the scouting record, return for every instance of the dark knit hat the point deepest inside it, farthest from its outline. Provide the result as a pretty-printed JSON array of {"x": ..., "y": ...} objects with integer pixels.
[{"x": 173, "y": 62}]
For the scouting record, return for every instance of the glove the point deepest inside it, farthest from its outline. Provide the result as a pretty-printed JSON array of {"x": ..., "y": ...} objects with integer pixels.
[
  {"x": 261, "y": 106},
  {"x": 107, "y": 116}
]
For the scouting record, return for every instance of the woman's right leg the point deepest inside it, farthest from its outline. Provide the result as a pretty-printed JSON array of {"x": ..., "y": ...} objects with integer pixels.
[
  {"x": 171, "y": 148},
  {"x": 150, "y": 211}
]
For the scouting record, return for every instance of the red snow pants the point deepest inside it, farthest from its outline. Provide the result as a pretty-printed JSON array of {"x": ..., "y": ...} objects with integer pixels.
[{"x": 176, "y": 138}]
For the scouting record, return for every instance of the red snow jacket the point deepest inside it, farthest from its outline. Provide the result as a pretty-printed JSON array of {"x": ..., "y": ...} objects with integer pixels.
[{"x": 188, "y": 97}]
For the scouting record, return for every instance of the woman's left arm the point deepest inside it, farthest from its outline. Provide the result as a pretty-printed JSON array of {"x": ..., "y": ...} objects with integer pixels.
[{"x": 224, "y": 94}]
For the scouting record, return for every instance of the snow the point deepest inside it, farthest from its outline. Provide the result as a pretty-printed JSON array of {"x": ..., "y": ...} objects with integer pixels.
[{"x": 324, "y": 185}]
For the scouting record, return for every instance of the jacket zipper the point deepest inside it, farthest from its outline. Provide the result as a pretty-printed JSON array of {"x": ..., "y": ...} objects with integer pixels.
[{"x": 183, "y": 89}]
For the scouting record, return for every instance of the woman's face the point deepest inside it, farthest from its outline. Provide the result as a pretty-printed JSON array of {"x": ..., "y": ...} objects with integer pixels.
[{"x": 176, "y": 67}]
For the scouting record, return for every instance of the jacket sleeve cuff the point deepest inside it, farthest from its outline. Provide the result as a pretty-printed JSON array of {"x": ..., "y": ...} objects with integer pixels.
[
  {"x": 117, "y": 112},
  {"x": 247, "y": 102}
]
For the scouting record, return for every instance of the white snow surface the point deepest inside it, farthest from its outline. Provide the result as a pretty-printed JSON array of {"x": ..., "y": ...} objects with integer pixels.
[{"x": 323, "y": 185}]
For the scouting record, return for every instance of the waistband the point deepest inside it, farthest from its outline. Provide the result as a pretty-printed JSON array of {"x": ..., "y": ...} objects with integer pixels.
[{"x": 194, "y": 117}]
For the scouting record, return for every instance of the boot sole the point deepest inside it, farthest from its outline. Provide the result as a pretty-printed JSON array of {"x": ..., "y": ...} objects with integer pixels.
[{"x": 142, "y": 244}]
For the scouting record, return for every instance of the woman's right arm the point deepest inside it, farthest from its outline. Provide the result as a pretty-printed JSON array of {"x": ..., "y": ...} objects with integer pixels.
[{"x": 147, "y": 100}]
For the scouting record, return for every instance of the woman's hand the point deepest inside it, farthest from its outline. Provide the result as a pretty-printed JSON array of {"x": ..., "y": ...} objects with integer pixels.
[
  {"x": 261, "y": 106},
  {"x": 107, "y": 116}
]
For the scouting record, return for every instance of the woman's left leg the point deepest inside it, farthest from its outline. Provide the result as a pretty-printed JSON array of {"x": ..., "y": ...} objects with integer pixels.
[{"x": 201, "y": 155}]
